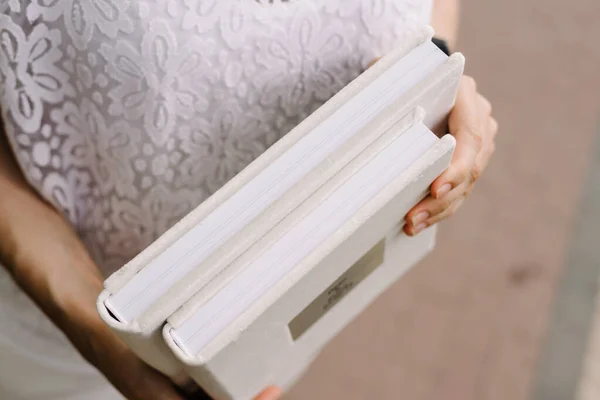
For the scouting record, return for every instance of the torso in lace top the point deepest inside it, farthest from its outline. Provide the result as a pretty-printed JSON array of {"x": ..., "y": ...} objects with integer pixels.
[{"x": 127, "y": 114}]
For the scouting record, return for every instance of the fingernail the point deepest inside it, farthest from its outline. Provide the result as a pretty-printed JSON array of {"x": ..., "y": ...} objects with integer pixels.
[
  {"x": 420, "y": 217},
  {"x": 446, "y": 187},
  {"x": 418, "y": 228}
]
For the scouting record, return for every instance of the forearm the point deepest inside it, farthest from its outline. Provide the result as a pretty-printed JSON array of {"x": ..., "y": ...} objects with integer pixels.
[
  {"x": 44, "y": 254},
  {"x": 445, "y": 20},
  {"x": 50, "y": 263}
]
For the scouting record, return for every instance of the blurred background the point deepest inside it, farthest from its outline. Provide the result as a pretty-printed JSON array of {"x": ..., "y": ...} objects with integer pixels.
[{"x": 505, "y": 309}]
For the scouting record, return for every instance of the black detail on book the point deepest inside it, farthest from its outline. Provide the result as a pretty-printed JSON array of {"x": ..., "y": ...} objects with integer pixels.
[{"x": 442, "y": 45}]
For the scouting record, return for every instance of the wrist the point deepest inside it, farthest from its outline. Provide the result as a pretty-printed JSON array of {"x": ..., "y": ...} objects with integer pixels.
[{"x": 445, "y": 20}]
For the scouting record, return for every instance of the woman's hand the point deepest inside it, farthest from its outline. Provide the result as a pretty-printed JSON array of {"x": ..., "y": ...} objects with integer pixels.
[{"x": 474, "y": 128}]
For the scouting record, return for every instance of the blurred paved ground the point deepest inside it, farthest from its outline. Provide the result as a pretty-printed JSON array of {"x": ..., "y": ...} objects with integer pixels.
[
  {"x": 570, "y": 359},
  {"x": 472, "y": 322},
  {"x": 589, "y": 385}
]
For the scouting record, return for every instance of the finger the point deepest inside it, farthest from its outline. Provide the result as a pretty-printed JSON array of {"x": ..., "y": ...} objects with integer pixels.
[
  {"x": 493, "y": 127},
  {"x": 481, "y": 162},
  {"x": 431, "y": 206},
  {"x": 446, "y": 213},
  {"x": 270, "y": 393},
  {"x": 467, "y": 128},
  {"x": 484, "y": 105},
  {"x": 415, "y": 230},
  {"x": 429, "y": 209},
  {"x": 412, "y": 231}
]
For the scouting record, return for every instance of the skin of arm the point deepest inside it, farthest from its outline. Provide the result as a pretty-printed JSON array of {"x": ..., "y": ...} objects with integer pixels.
[
  {"x": 45, "y": 257},
  {"x": 472, "y": 125},
  {"x": 47, "y": 260},
  {"x": 445, "y": 19}
]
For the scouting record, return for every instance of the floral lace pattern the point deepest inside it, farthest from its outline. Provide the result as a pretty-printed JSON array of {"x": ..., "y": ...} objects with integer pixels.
[{"x": 125, "y": 115}]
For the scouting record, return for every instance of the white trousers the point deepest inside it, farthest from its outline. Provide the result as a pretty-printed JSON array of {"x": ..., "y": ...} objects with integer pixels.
[
  {"x": 36, "y": 360},
  {"x": 25, "y": 376}
]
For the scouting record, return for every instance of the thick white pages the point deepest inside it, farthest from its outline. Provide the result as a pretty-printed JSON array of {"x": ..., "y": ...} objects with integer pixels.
[
  {"x": 181, "y": 257},
  {"x": 154, "y": 301},
  {"x": 276, "y": 336},
  {"x": 271, "y": 266}
]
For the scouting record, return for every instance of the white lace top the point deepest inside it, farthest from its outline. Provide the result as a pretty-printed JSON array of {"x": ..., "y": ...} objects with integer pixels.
[{"x": 127, "y": 114}]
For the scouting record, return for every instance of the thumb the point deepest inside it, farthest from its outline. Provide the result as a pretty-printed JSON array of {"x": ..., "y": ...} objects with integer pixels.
[{"x": 270, "y": 393}]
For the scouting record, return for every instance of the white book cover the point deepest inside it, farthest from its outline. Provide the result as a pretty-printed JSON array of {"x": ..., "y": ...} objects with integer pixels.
[
  {"x": 140, "y": 296},
  {"x": 309, "y": 276}
]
